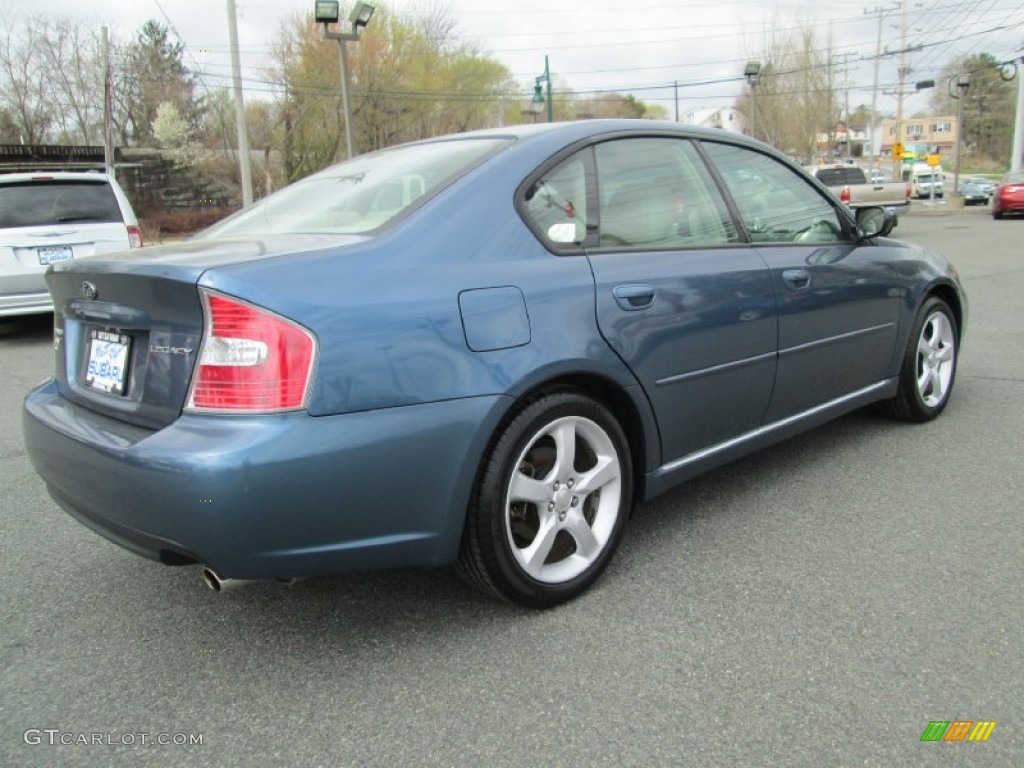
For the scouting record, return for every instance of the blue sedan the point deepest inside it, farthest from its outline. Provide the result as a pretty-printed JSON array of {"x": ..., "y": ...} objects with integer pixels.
[{"x": 481, "y": 350}]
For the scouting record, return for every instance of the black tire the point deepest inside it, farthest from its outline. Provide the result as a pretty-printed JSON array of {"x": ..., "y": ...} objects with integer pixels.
[
  {"x": 553, "y": 510},
  {"x": 928, "y": 370}
]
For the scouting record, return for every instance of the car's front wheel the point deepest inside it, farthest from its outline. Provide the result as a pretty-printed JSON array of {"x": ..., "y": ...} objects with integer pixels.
[
  {"x": 929, "y": 365},
  {"x": 551, "y": 502}
]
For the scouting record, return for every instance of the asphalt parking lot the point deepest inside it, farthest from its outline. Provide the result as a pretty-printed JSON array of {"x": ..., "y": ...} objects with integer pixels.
[{"x": 817, "y": 604}]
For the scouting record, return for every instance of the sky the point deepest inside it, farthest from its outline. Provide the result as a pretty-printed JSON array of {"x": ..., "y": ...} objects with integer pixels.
[{"x": 642, "y": 47}]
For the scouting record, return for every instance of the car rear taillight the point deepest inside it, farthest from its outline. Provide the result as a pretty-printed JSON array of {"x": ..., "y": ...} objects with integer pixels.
[
  {"x": 134, "y": 236},
  {"x": 844, "y": 196},
  {"x": 251, "y": 360}
]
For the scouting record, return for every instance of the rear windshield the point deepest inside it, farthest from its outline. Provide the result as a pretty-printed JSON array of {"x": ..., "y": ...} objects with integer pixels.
[
  {"x": 40, "y": 203},
  {"x": 360, "y": 195},
  {"x": 835, "y": 177}
]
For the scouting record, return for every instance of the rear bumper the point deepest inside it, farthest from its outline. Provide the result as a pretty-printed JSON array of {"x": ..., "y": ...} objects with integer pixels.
[
  {"x": 25, "y": 303},
  {"x": 268, "y": 497},
  {"x": 896, "y": 210}
]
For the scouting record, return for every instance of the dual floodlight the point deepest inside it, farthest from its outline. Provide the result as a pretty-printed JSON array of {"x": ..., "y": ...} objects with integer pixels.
[{"x": 326, "y": 12}]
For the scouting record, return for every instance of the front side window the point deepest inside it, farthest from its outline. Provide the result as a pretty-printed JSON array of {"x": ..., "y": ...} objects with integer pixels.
[
  {"x": 361, "y": 194},
  {"x": 657, "y": 193},
  {"x": 775, "y": 203}
]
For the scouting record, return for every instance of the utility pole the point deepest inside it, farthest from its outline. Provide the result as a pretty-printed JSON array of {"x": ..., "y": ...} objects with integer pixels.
[
  {"x": 881, "y": 13},
  {"x": 243, "y": 134},
  {"x": 1017, "y": 160},
  {"x": 846, "y": 93},
  {"x": 108, "y": 149},
  {"x": 899, "y": 98}
]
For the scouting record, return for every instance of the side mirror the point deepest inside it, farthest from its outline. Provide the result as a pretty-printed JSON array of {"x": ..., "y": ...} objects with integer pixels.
[{"x": 874, "y": 222}]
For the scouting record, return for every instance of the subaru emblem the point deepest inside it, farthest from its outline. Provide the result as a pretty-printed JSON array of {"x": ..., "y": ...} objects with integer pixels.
[{"x": 89, "y": 290}]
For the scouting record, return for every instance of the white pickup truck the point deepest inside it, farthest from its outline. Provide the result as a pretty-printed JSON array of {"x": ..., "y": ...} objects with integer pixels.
[{"x": 852, "y": 187}]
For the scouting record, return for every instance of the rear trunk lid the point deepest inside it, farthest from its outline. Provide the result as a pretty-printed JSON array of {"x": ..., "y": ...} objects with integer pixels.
[
  {"x": 28, "y": 251},
  {"x": 127, "y": 329}
]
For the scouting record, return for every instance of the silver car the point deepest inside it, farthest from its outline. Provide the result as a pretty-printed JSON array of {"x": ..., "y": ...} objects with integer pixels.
[{"x": 50, "y": 217}]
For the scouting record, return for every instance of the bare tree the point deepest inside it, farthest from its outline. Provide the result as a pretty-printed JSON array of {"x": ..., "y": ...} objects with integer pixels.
[
  {"x": 795, "y": 97},
  {"x": 25, "y": 82},
  {"x": 72, "y": 56}
]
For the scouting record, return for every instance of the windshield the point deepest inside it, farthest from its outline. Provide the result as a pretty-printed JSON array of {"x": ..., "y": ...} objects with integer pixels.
[
  {"x": 359, "y": 195},
  {"x": 1016, "y": 177}
]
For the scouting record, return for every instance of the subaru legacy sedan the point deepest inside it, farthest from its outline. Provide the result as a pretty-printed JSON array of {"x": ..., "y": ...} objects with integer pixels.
[{"x": 481, "y": 350}]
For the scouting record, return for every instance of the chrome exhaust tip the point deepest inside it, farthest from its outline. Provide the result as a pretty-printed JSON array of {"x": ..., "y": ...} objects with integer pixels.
[{"x": 218, "y": 583}]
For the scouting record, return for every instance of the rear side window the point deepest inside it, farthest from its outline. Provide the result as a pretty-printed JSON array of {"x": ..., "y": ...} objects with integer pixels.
[
  {"x": 557, "y": 203},
  {"x": 41, "y": 203},
  {"x": 657, "y": 193}
]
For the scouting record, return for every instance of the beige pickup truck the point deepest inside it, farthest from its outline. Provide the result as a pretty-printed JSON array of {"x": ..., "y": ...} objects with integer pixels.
[{"x": 852, "y": 187}]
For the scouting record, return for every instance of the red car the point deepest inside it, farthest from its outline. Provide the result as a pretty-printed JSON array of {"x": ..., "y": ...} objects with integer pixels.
[{"x": 1009, "y": 195}]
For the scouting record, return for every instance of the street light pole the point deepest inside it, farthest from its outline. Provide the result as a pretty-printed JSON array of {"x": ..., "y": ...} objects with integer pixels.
[
  {"x": 752, "y": 72},
  {"x": 963, "y": 82},
  {"x": 538, "y": 96},
  {"x": 346, "y": 105},
  {"x": 327, "y": 13}
]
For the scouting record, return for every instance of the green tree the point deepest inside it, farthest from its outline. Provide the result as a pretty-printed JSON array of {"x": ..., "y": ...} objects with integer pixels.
[
  {"x": 611, "y": 105},
  {"x": 155, "y": 74},
  {"x": 411, "y": 77},
  {"x": 988, "y": 105}
]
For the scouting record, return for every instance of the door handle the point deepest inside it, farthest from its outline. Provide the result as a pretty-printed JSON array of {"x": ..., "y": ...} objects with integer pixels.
[
  {"x": 633, "y": 297},
  {"x": 797, "y": 279}
]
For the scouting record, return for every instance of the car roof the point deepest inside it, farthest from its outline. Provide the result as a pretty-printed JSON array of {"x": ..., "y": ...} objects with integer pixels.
[{"x": 584, "y": 129}]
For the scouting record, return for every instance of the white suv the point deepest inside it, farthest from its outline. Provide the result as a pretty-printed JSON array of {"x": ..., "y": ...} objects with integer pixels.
[{"x": 50, "y": 217}]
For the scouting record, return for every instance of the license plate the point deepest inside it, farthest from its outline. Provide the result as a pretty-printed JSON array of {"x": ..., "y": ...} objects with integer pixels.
[
  {"x": 107, "y": 368},
  {"x": 54, "y": 255}
]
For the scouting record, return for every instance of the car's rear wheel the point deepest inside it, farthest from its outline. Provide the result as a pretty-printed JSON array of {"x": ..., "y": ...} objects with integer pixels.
[
  {"x": 551, "y": 503},
  {"x": 929, "y": 365}
]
